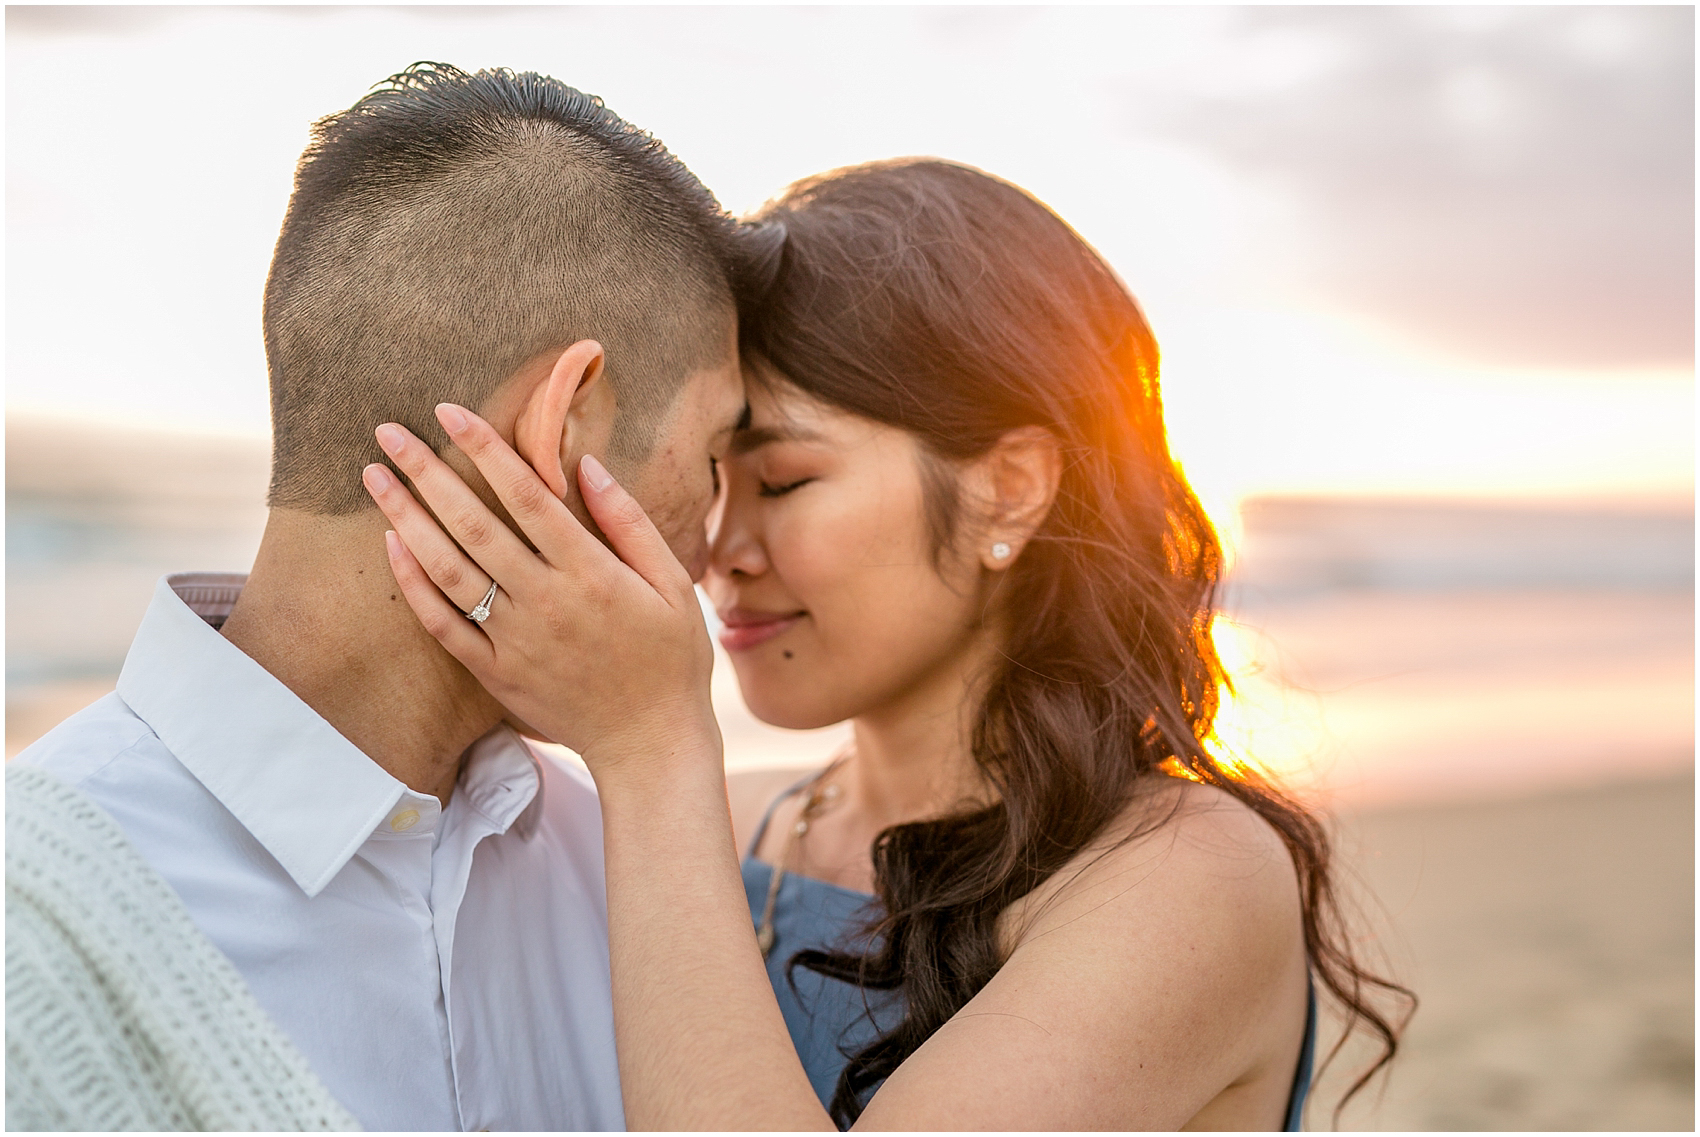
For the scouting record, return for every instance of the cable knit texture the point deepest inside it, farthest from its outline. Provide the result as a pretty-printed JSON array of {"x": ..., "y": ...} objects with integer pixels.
[{"x": 120, "y": 1013}]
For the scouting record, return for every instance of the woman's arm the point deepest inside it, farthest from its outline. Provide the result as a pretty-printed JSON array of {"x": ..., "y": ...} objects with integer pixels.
[
  {"x": 1156, "y": 975},
  {"x": 702, "y": 1043}
]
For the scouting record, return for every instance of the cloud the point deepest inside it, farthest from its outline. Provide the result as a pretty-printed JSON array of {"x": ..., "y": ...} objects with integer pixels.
[
  {"x": 46, "y": 20},
  {"x": 1514, "y": 186}
]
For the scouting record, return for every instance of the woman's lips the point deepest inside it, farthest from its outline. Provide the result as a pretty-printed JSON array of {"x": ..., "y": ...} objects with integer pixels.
[{"x": 745, "y": 630}]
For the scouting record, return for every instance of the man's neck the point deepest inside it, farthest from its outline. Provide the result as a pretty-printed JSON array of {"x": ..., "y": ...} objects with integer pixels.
[{"x": 322, "y": 613}]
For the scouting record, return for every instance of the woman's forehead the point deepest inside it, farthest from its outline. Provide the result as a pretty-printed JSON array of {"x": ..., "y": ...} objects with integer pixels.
[
  {"x": 779, "y": 406},
  {"x": 781, "y": 412}
]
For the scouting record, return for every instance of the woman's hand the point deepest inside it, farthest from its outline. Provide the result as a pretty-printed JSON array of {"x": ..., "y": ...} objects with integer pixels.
[
  {"x": 604, "y": 653},
  {"x": 609, "y": 655}
]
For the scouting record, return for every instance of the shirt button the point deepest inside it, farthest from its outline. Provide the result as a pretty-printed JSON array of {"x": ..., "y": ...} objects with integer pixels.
[{"x": 404, "y": 820}]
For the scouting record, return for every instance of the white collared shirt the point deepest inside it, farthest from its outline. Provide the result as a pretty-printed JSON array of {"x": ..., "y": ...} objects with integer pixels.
[{"x": 440, "y": 968}]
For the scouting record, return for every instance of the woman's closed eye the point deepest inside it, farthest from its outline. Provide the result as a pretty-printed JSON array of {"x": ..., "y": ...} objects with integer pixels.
[{"x": 782, "y": 490}]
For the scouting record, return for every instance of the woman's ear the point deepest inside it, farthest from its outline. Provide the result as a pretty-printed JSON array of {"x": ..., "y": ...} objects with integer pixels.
[
  {"x": 574, "y": 397},
  {"x": 1022, "y": 472}
]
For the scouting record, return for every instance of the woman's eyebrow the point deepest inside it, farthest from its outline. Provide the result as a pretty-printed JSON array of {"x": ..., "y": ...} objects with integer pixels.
[
  {"x": 755, "y": 437},
  {"x": 742, "y": 422}
]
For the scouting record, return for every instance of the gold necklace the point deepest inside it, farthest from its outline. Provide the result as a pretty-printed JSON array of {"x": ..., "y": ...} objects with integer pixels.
[{"x": 821, "y": 794}]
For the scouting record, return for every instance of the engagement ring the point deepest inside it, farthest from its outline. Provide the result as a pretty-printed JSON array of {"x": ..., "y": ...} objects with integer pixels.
[{"x": 481, "y": 613}]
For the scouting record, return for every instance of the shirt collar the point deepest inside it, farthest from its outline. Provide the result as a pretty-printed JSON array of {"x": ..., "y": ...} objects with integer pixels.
[
  {"x": 306, "y": 793},
  {"x": 503, "y": 780}
]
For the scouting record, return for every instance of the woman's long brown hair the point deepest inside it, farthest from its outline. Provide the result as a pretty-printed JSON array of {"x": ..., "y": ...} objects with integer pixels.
[{"x": 940, "y": 300}]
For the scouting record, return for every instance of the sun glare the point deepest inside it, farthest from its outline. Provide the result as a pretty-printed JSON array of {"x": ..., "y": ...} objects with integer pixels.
[
  {"x": 1263, "y": 728},
  {"x": 1281, "y": 403}
]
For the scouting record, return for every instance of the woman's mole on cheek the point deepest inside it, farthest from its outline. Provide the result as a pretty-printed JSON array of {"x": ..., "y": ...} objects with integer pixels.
[{"x": 787, "y": 653}]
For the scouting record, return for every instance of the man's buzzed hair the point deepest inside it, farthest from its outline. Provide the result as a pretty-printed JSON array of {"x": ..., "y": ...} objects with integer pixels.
[{"x": 448, "y": 228}]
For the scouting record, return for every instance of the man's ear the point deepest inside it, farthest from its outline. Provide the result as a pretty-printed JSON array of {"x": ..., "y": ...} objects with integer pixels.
[
  {"x": 1022, "y": 472},
  {"x": 574, "y": 390}
]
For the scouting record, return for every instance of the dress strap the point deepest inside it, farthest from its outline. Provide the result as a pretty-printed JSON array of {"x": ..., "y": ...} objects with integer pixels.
[
  {"x": 1307, "y": 1062},
  {"x": 773, "y": 806}
]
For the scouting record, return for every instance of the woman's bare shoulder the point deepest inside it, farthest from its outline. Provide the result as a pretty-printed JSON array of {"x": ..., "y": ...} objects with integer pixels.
[
  {"x": 1162, "y": 966},
  {"x": 1220, "y": 831},
  {"x": 750, "y": 792},
  {"x": 1181, "y": 851}
]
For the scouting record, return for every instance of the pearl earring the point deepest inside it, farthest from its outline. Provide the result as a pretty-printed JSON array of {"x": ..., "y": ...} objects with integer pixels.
[{"x": 1000, "y": 551}]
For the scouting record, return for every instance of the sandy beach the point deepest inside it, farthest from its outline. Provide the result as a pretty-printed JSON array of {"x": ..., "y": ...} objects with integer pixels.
[
  {"x": 1551, "y": 940},
  {"x": 1512, "y": 773}
]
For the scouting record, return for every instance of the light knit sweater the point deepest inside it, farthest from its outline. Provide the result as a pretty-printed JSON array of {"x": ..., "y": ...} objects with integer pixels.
[{"x": 120, "y": 1013}]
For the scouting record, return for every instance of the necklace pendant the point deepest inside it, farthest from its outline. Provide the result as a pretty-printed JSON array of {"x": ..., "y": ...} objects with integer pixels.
[{"x": 764, "y": 939}]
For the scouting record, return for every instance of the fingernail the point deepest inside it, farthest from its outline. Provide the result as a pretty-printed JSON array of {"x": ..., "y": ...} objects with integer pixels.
[
  {"x": 452, "y": 417},
  {"x": 594, "y": 473},
  {"x": 392, "y": 543},
  {"x": 390, "y": 438},
  {"x": 377, "y": 477}
]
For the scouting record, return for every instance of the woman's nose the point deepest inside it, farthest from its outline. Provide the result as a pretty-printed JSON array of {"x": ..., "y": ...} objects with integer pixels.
[{"x": 735, "y": 546}]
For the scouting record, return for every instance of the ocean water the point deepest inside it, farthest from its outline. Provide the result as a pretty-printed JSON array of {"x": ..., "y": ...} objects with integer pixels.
[
  {"x": 1299, "y": 547},
  {"x": 1382, "y": 650},
  {"x": 93, "y": 518},
  {"x": 1399, "y": 650}
]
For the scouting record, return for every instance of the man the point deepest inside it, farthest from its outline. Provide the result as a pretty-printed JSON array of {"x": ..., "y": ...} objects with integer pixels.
[{"x": 410, "y": 890}]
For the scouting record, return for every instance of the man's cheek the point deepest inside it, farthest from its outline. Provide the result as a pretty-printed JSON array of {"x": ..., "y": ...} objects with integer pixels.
[
  {"x": 697, "y": 565},
  {"x": 687, "y": 540},
  {"x": 686, "y": 524}
]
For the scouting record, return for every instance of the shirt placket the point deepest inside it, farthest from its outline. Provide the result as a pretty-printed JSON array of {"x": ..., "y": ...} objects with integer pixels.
[
  {"x": 401, "y": 847},
  {"x": 465, "y": 826}
]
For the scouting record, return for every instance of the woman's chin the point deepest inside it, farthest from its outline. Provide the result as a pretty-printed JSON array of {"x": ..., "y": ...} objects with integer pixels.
[
  {"x": 782, "y": 709},
  {"x": 793, "y": 721}
]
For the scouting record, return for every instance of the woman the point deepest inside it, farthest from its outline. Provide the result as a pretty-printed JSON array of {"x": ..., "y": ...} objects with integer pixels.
[{"x": 1026, "y": 896}]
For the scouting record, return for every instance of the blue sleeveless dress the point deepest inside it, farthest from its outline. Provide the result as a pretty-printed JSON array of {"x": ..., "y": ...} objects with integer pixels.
[{"x": 830, "y": 1020}]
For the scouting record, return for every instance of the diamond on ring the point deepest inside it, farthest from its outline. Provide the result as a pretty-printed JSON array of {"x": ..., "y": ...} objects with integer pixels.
[{"x": 481, "y": 613}]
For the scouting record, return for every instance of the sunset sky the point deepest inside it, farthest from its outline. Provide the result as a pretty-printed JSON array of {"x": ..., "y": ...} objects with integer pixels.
[{"x": 1385, "y": 250}]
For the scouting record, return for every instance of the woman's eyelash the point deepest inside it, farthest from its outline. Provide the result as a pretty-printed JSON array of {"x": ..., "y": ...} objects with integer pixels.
[{"x": 780, "y": 491}]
